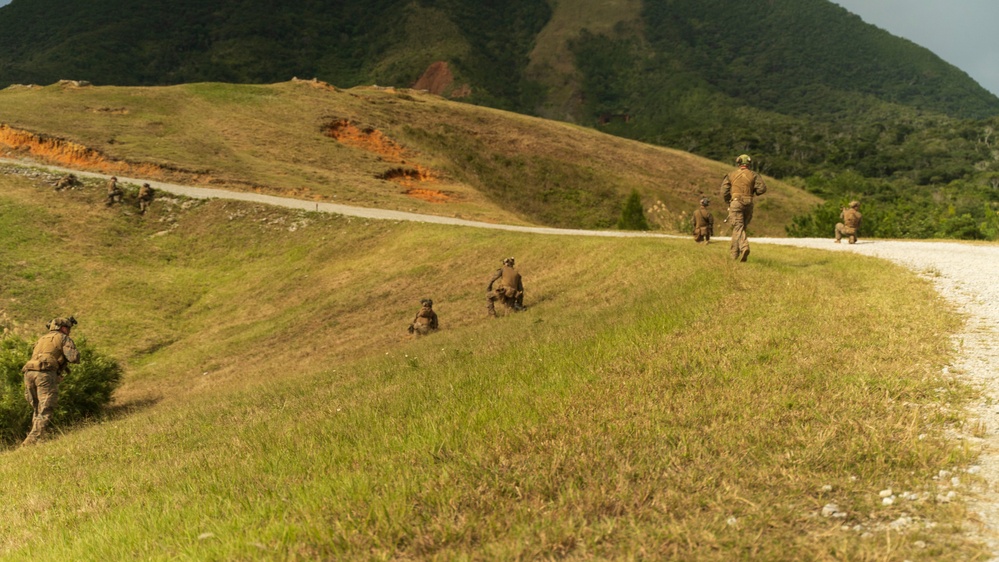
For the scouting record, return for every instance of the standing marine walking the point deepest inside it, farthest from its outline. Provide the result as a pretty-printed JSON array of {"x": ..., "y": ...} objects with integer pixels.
[
  {"x": 44, "y": 371},
  {"x": 738, "y": 190}
]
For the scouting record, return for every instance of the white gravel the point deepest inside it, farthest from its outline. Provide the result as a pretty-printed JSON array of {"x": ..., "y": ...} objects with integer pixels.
[{"x": 965, "y": 274}]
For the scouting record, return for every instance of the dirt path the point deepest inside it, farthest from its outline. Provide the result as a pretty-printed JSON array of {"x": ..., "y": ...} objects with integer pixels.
[{"x": 965, "y": 274}]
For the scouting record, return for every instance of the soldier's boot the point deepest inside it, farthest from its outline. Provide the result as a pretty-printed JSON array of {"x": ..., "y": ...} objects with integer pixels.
[
  {"x": 853, "y": 239},
  {"x": 837, "y": 240},
  {"x": 492, "y": 309},
  {"x": 744, "y": 255}
]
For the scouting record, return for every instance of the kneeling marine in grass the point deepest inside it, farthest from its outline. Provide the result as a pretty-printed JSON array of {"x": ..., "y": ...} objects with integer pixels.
[
  {"x": 44, "y": 371},
  {"x": 704, "y": 223},
  {"x": 509, "y": 291},
  {"x": 145, "y": 197},
  {"x": 426, "y": 319},
  {"x": 114, "y": 192}
]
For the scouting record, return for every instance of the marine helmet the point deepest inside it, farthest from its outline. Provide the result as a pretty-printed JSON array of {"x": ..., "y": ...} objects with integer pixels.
[
  {"x": 508, "y": 261},
  {"x": 145, "y": 185},
  {"x": 854, "y": 204},
  {"x": 60, "y": 322},
  {"x": 743, "y": 159},
  {"x": 115, "y": 178},
  {"x": 705, "y": 201},
  {"x": 427, "y": 303}
]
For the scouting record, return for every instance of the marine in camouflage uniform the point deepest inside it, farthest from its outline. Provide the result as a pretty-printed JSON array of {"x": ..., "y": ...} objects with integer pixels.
[
  {"x": 704, "y": 223},
  {"x": 426, "y": 319},
  {"x": 509, "y": 291},
  {"x": 114, "y": 192},
  {"x": 145, "y": 197},
  {"x": 42, "y": 374},
  {"x": 738, "y": 190},
  {"x": 850, "y": 226},
  {"x": 68, "y": 181}
]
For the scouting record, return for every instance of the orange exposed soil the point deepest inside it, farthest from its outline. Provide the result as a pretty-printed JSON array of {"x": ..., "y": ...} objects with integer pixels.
[
  {"x": 374, "y": 141},
  {"x": 429, "y": 195},
  {"x": 71, "y": 154},
  {"x": 368, "y": 138}
]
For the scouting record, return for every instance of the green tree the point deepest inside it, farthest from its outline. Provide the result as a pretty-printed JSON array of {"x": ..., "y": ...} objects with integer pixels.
[{"x": 633, "y": 214}]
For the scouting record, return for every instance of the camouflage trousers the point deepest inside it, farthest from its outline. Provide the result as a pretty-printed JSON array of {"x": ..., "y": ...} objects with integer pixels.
[
  {"x": 843, "y": 230},
  {"x": 514, "y": 302},
  {"x": 739, "y": 215},
  {"x": 422, "y": 329},
  {"x": 702, "y": 234},
  {"x": 41, "y": 389},
  {"x": 144, "y": 205}
]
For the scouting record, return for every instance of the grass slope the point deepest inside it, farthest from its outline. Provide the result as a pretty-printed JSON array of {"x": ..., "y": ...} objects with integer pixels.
[
  {"x": 485, "y": 164},
  {"x": 655, "y": 401}
]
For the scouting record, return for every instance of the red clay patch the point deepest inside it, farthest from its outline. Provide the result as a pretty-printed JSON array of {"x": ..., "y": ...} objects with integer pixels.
[
  {"x": 429, "y": 195},
  {"x": 71, "y": 154},
  {"x": 374, "y": 141}
]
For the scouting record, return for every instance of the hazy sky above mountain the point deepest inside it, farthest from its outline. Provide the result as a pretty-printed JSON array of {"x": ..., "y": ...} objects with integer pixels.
[{"x": 958, "y": 31}]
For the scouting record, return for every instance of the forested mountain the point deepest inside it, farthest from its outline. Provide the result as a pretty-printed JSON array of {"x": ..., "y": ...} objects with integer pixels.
[{"x": 804, "y": 85}]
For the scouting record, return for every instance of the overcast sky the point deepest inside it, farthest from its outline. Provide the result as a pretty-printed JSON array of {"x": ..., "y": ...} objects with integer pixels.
[{"x": 959, "y": 31}]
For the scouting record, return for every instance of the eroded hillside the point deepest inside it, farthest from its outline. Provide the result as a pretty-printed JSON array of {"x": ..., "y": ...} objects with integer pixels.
[{"x": 375, "y": 147}]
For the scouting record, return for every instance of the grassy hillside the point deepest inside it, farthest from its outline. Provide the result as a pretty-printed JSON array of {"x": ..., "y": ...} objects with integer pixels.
[
  {"x": 275, "y": 409},
  {"x": 370, "y": 147}
]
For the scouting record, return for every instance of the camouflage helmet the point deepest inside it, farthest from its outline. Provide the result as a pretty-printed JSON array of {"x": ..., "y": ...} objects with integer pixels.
[
  {"x": 743, "y": 159},
  {"x": 508, "y": 261},
  {"x": 115, "y": 178},
  {"x": 705, "y": 201},
  {"x": 60, "y": 322},
  {"x": 854, "y": 204},
  {"x": 427, "y": 303}
]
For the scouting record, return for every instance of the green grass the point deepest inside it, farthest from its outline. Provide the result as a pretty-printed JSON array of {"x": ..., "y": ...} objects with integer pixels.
[{"x": 275, "y": 409}]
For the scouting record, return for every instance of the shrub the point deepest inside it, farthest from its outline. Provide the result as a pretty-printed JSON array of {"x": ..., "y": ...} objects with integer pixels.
[
  {"x": 633, "y": 215},
  {"x": 83, "y": 394}
]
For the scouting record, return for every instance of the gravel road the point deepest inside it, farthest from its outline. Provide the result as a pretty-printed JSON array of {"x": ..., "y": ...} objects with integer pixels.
[{"x": 965, "y": 274}]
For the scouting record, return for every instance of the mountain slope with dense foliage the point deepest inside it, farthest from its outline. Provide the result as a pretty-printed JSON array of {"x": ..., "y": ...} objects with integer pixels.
[{"x": 806, "y": 87}]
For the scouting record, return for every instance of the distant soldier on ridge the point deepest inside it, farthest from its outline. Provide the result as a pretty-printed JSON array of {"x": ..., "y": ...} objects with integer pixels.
[
  {"x": 738, "y": 190},
  {"x": 145, "y": 197},
  {"x": 509, "y": 291},
  {"x": 704, "y": 223},
  {"x": 850, "y": 226},
  {"x": 114, "y": 192},
  {"x": 426, "y": 319},
  {"x": 42, "y": 374}
]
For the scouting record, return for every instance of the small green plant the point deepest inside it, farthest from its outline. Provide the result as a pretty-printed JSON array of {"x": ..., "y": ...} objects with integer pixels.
[
  {"x": 83, "y": 394},
  {"x": 633, "y": 215}
]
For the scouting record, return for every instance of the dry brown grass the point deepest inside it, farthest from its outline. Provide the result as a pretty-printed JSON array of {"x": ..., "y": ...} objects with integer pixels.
[{"x": 486, "y": 164}]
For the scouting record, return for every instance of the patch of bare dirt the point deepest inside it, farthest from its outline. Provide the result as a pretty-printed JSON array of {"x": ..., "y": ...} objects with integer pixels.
[
  {"x": 374, "y": 141},
  {"x": 316, "y": 83},
  {"x": 439, "y": 80}
]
